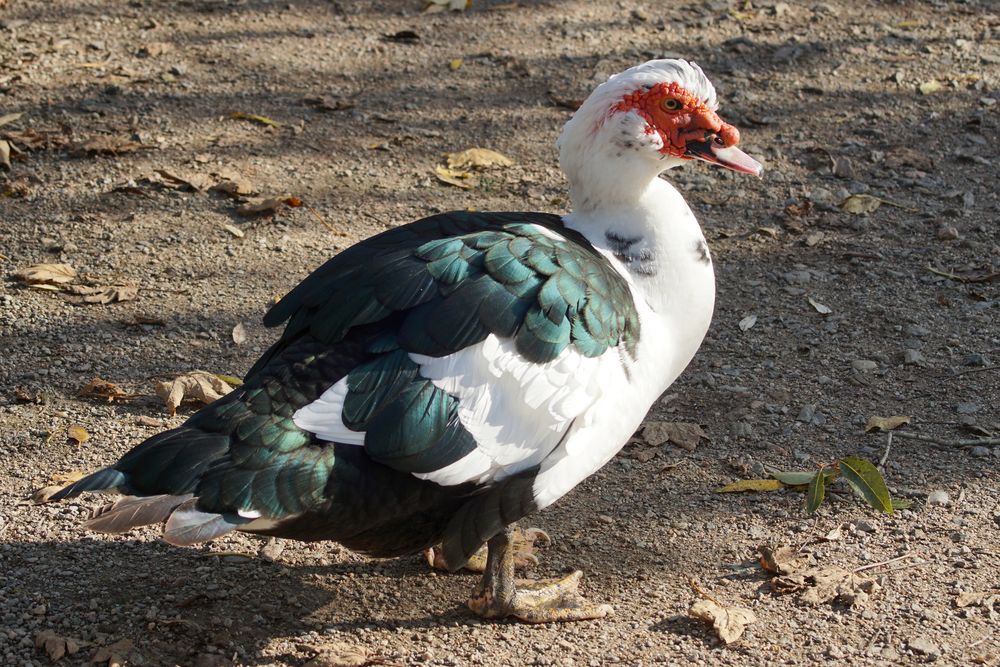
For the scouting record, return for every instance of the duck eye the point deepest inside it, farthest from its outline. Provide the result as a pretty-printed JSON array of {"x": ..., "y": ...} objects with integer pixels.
[{"x": 671, "y": 104}]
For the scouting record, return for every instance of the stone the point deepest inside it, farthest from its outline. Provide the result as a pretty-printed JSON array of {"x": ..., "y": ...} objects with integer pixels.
[
  {"x": 979, "y": 452},
  {"x": 939, "y": 497},
  {"x": 925, "y": 646},
  {"x": 864, "y": 365},
  {"x": 913, "y": 357}
]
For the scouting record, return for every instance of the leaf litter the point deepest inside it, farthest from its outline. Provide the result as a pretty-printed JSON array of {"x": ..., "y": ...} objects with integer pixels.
[
  {"x": 796, "y": 573},
  {"x": 728, "y": 622},
  {"x": 198, "y": 386},
  {"x": 683, "y": 434}
]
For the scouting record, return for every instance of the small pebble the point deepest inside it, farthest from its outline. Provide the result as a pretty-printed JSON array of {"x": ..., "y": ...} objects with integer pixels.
[
  {"x": 938, "y": 498},
  {"x": 979, "y": 452},
  {"x": 913, "y": 357},
  {"x": 924, "y": 646},
  {"x": 864, "y": 365}
]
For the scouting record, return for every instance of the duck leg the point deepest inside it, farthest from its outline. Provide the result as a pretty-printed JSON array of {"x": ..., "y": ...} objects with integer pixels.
[
  {"x": 523, "y": 544},
  {"x": 498, "y": 596}
]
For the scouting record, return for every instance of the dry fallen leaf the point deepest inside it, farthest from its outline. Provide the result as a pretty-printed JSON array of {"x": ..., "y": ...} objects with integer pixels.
[
  {"x": 876, "y": 423},
  {"x": 44, "y": 494},
  {"x": 234, "y": 230},
  {"x": 267, "y": 206},
  {"x": 197, "y": 386},
  {"x": 744, "y": 485},
  {"x": 68, "y": 477},
  {"x": 101, "y": 294},
  {"x": 682, "y": 434},
  {"x": 780, "y": 559},
  {"x": 861, "y": 204},
  {"x": 10, "y": 117},
  {"x": 78, "y": 434},
  {"x": 260, "y": 120},
  {"x": 456, "y": 177},
  {"x": 105, "y": 145},
  {"x": 239, "y": 333},
  {"x": 930, "y": 87},
  {"x": 98, "y": 388},
  {"x": 113, "y": 654},
  {"x": 56, "y": 646},
  {"x": 435, "y": 6},
  {"x": 46, "y": 274},
  {"x": 821, "y": 584},
  {"x": 571, "y": 103},
  {"x": 727, "y": 622},
  {"x": 820, "y": 308},
  {"x": 197, "y": 182},
  {"x": 340, "y": 654},
  {"x": 455, "y": 64},
  {"x": 477, "y": 158}
]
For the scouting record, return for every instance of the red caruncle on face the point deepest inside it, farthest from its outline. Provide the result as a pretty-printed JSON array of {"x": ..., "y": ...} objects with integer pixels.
[{"x": 678, "y": 117}]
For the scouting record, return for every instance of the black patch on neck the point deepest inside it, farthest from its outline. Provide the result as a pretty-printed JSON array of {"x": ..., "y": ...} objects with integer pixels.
[
  {"x": 638, "y": 260},
  {"x": 701, "y": 248}
]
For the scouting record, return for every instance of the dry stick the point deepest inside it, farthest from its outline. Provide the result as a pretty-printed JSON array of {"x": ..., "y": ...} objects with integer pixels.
[
  {"x": 974, "y": 442},
  {"x": 888, "y": 448},
  {"x": 321, "y": 220},
  {"x": 885, "y": 562}
]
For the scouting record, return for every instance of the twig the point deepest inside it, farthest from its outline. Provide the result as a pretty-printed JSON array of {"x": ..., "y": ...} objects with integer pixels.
[
  {"x": 885, "y": 562},
  {"x": 970, "y": 370},
  {"x": 323, "y": 222},
  {"x": 888, "y": 448},
  {"x": 973, "y": 442}
]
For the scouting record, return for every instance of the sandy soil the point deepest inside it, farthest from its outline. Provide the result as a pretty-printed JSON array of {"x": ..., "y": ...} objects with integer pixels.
[{"x": 828, "y": 95}]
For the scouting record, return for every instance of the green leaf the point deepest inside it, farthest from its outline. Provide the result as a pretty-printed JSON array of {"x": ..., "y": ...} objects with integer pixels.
[
  {"x": 794, "y": 478},
  {"x": 817, "y": 491},
  {"x": 901, "y": 504},
  {"x": 867, "y": 482}
]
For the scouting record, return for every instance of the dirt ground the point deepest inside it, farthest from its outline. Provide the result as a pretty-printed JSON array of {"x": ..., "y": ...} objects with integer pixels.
[{"x": 122, "y": 101}]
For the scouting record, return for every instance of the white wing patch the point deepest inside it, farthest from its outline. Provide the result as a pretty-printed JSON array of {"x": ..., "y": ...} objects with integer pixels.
[
  {"x": 323, "y": 417},
  {"x": 516, "y": 410}
]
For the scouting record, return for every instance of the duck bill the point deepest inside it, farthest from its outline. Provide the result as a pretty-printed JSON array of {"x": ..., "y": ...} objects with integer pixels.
[{"x": 730, "y": 158}]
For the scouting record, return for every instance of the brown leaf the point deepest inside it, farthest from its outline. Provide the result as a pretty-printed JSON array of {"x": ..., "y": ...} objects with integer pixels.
[
  {"x": 113, "y": 654},
  {"x": 10, "y": 117},
  {"x": 98, "y": 388},
  {"x": 340, "y": 654},
  {"x": 876, "y": 423},
  {"x": 56, "y": 646},
  {"x": 682, "y": 434},
  {"x": 68, "y": 477},
  {"x": 861, "y": 204},
  {"x": 821, "y": 584},
  {"x": 101, "y": 294},
  {"x": 196, "y": 386},
  {"x": 44, "y": 494},
  {"x": 78, "y": 434},
  {"x": 477, "y": 158},
  {"x": 29, "y": 139},
  {"x": 197, "y": 182},
  {"x": 105, "y": 145},
  {"x": 780, "y": 559},
  {"x": 456, "y": 177},
  {"x": 571, "y": 103},
  {"x": 727, "y": 622},
  {"x": 46, "y": 274},
  {"x": 267, "y": 206}
]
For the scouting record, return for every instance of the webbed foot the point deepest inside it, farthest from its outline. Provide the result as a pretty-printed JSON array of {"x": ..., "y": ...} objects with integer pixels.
[{"x": 499, "y": 596}]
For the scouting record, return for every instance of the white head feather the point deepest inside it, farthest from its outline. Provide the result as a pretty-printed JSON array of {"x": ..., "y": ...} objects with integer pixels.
[{"x": 609, "y": 156}]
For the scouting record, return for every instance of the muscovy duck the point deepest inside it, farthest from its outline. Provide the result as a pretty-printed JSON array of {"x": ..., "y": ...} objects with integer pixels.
[{"x": 441, "y": 380}]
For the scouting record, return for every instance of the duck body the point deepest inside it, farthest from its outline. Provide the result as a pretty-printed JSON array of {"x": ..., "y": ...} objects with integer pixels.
[{"x": 439, "y": 381}]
